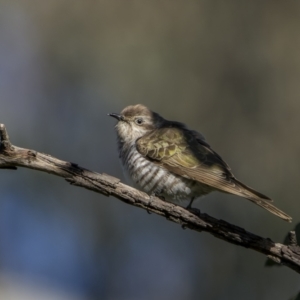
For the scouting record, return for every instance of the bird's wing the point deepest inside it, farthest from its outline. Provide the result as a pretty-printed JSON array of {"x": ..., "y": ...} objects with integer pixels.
[{"x": 187, "y": 154}]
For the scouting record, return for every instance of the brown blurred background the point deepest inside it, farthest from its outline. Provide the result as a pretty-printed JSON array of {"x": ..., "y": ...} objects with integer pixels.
[{"x": 229, "y": 69}]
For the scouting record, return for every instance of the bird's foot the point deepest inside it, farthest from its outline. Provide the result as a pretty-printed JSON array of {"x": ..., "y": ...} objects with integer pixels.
[
  {"x": 159, "y": 195},
  {"x": 194, "y": 211},
  {"x": 149, "y": 203}
]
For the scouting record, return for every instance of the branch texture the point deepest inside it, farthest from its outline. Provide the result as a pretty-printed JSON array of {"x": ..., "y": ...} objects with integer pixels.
[{"x": 12, "y": 157}]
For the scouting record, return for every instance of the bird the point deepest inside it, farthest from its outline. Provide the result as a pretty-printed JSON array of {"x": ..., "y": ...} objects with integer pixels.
[{"x": 167, "y": 159}]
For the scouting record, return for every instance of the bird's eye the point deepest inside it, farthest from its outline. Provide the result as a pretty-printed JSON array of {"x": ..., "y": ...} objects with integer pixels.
[{"x": 139, "y": 121}]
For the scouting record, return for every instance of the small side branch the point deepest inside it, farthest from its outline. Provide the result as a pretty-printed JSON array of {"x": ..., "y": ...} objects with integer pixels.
[
  {"x": 5, "y": 145},
  {"x": 12, "y": 157}
]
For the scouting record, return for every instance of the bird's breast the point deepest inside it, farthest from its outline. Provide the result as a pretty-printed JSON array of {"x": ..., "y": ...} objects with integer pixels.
[{"x": 154, "y": 179}]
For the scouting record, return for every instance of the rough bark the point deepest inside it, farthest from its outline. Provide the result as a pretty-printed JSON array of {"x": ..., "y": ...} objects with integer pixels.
[{"x": 12, "y": 157}]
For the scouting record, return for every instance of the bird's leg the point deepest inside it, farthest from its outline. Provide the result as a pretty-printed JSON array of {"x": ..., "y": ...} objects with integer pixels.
[{"x": 191, "y": 209}]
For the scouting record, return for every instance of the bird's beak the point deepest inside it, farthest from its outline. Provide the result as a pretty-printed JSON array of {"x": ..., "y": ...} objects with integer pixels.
[{"x": 116, "y": 116}]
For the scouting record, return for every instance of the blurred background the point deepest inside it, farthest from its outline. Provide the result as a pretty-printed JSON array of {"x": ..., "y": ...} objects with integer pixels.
[{"x": 229, "y": 69}]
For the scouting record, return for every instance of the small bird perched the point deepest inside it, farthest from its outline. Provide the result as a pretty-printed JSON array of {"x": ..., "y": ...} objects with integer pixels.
[{"x": 167, "y": 159}]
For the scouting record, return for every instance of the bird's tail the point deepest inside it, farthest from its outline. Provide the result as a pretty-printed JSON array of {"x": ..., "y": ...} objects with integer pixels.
[
  {"x": 273, "y": 209},
  {"x": 262, "y": 201}
]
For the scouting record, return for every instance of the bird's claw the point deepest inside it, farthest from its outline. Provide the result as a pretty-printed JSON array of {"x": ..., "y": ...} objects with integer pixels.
[{"x": 194, "y": 211}]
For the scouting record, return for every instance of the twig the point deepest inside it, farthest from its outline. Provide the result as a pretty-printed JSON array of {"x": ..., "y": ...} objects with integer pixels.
[{"x": 12, "y": 157}]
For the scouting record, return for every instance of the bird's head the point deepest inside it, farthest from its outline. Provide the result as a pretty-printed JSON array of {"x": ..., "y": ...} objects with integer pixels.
[{"x": 135, "y": 121}]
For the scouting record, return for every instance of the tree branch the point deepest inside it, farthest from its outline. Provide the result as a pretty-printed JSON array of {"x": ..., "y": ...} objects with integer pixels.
[{"x": 12, "y": 157}]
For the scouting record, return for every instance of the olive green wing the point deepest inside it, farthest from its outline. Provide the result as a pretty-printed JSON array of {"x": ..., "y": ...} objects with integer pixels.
[{"x": 187, "y": 154}]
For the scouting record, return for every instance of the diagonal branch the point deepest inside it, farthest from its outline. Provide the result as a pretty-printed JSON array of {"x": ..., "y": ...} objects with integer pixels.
[{"x": 12, "y": 157}]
